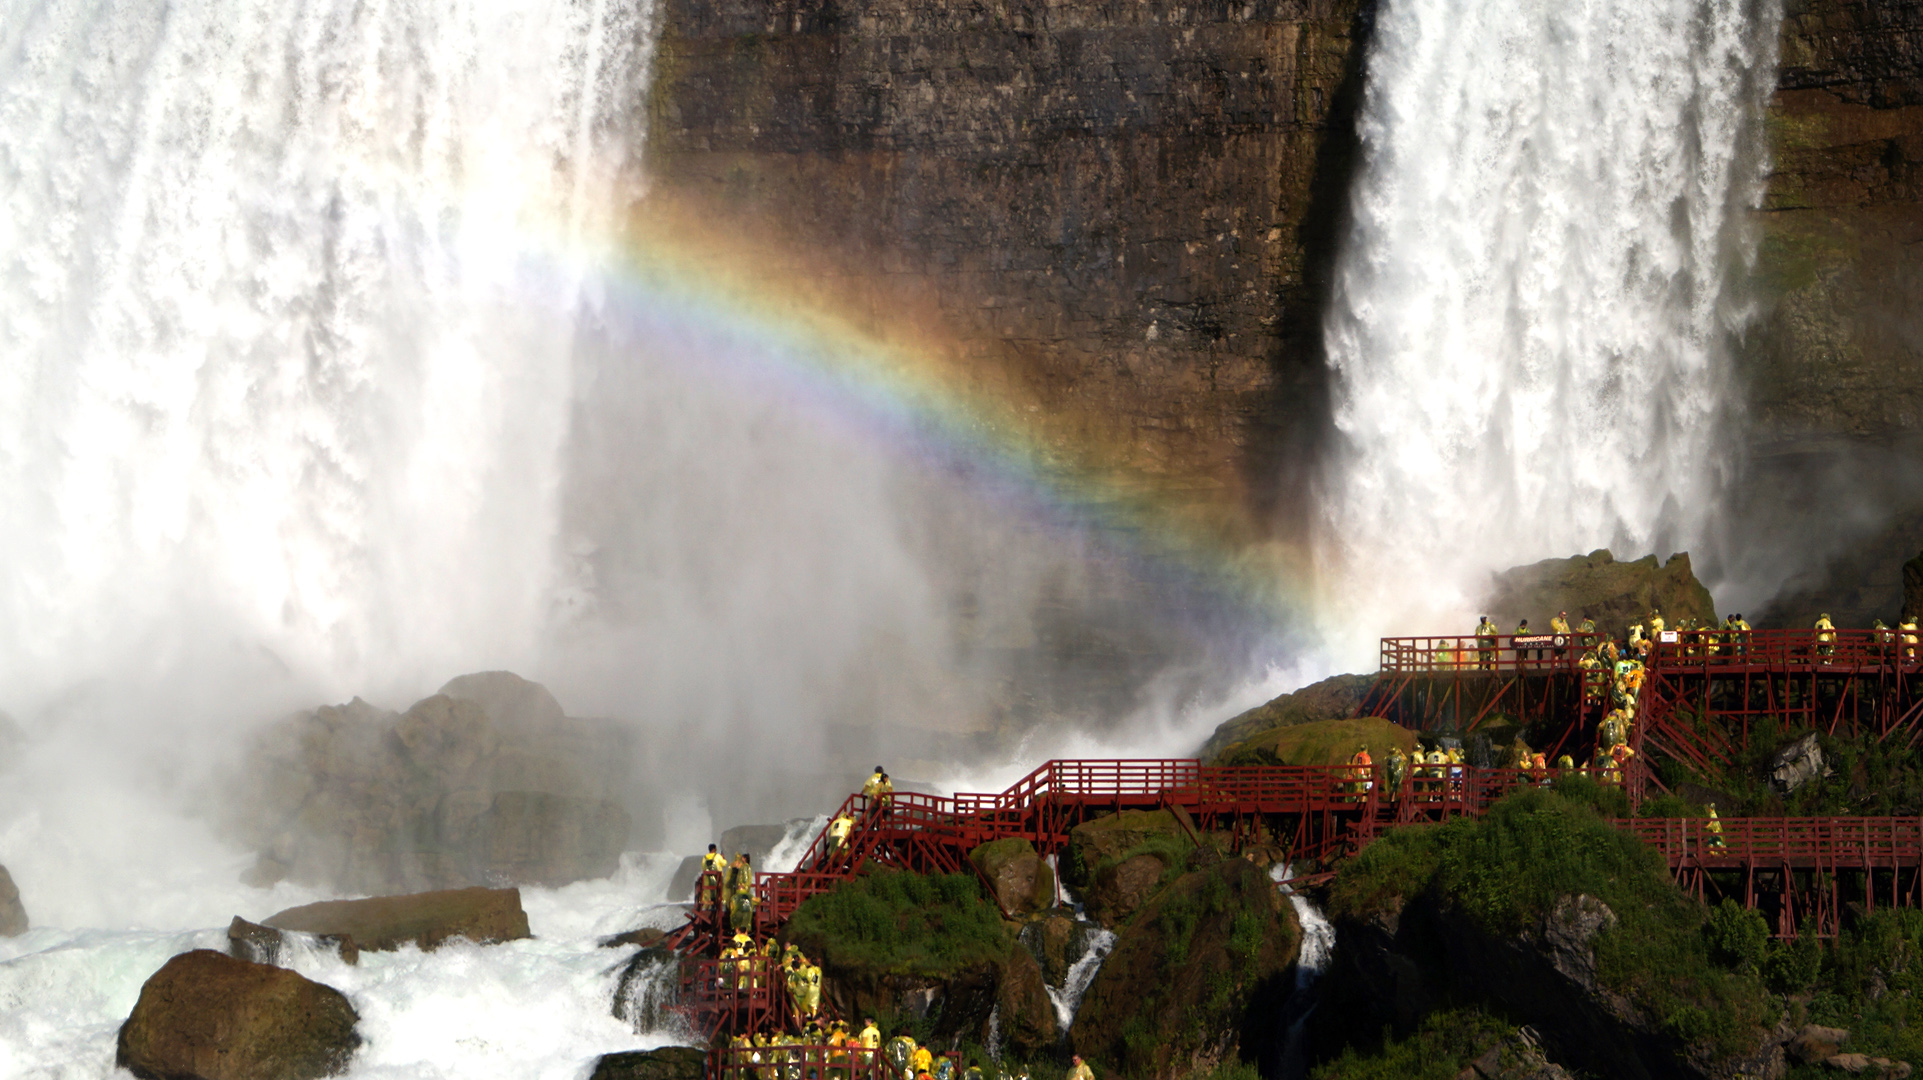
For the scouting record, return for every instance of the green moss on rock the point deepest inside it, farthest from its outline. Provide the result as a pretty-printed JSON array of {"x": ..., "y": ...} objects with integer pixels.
[{"x": 1187, "y": 974}]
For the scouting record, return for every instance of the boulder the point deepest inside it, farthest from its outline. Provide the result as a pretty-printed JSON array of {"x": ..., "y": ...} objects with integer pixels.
[
  {"x": 1864, "y": 1065},
  {"x": 264, "y": 944},
  {"x": 686, "y": 876},
  {"x": 381, "y": 923},
  {"x": 663, "y": 1063},
  {"x": 1175, "y": 996},
  {"x": 1334, "y": 698},
  {"x": 207, "y": 1016},
  {"x": 1113, "y": 836},
  {"x": 1596, "y": 586},
  {"x": 1020, "y": 879},
  {"x": 1027, "y": 1014},
  {"x": 13, "y": 914},
  {"x": 1812, "y": 1044},
  {"x": 645, "y": 937},
  {"x": 484, "y": 783},
  {"x": 755, "y": 840},
  {"x": 1119, "y": 889},
  {"x": 1797, "y": 764},
  {"x": 1324, "y": 742}
]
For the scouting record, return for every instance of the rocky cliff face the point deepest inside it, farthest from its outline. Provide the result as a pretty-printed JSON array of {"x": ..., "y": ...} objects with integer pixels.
[
  {"x": 1120, "y": 219},
  {"x": 1833, "y": 371},
  {"x": 1114, "y": 213}
]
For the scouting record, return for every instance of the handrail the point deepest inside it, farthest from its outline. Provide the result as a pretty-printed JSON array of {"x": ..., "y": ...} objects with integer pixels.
[{"x": 1706, "y": 648}]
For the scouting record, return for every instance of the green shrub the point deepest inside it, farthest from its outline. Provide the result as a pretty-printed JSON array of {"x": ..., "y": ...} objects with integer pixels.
[
  {"x": 1737, "y": 937},
  {"x": 894, "y": 922},
  {"x": 1535, "y": 847},
  {"x": 1445, "y": 1044}
]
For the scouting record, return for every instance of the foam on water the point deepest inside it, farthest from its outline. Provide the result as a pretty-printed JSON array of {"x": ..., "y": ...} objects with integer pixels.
[{"x": 536, "y": 1008}]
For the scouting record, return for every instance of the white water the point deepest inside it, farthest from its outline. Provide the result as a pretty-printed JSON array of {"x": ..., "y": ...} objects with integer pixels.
[
  {"x": 1311, "y": 960},
  {"x": 1067, "y": 998},
  {"x": 537, "y": 1008},
  {"x": 1532, "y": 305}
]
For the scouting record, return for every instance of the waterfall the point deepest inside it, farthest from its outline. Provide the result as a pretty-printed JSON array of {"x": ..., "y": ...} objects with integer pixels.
[
  {"x": 1096, "y": 945},
  {"x": 1311, "y": 960},
  {"x": 1531, "y": 305},
  {"x": 282, "y": 362}
]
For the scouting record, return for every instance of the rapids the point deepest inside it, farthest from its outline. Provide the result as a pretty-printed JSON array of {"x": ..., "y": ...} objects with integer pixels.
[{"x": 536, "y": 1008}]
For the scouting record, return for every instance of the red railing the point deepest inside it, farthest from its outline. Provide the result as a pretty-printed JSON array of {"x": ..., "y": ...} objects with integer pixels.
[
  {"x": 1714, "y": 648},
  {"x": 807, "y": 1061},
  {"x": 1500, "y": 653},
  {"x": 1840, "y": 843}
]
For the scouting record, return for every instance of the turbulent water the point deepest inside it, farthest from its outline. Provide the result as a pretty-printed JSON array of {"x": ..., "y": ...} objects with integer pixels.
[
  {"x": 1532, "y": 304},
  {"x": 1312, "y": 959},
  {"x": 1067, "y": 998},
  {"x": 537, "y": 1008}
]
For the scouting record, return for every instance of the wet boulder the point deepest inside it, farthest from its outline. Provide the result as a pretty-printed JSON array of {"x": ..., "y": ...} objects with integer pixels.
[
  {"x": 1597, "y": 586},
  {"x": 483, "y": 916},
  {"x": 664, "y": 1063},
  {"x": 1323, "y": 742},
  {"x": 1334, "y": 698},
  {"x": 13, "y": 914},
  {"x": 264, "y": 944},
  {"x": 207, "y": 1016},
  {"x": 1020, "y": 879},
  {"x": 1176, "y": 994},
  {"x": 1027, "y": 1014}
]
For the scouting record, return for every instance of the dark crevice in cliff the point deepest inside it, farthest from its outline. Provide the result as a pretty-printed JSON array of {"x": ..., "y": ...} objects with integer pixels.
[{"x": 1295, "y": 426}]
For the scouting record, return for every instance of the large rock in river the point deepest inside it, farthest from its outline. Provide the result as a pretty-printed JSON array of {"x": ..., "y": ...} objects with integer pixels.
[
  {"x": 664, "y": 1063},
  {"x": 486, "y": 783},
  {"x": 13, "y": 914},
  {"x": 1597, "y": 586},
  {"x": 207, "y": 1016},
  {"x": 483, "y": 916}
]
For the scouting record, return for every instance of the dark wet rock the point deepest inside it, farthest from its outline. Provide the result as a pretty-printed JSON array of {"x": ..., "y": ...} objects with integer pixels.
[
  {"x": 1027, "y": 1014},
  {"x": 1321, "y": 742},
  {"x": 645, "y": 937},
  {"x": 1400, "y": 963},
  {"x": 483, "y": 916},
  {"x": 264, "y": 944},
  {"x": 13, "y": 914},
  {"x": 686, "y": 877},
  {"x": 1598, "y": 586},
  {"x": 1813, "y": 1043},
  {"x": 1334, "y": 698},
  {"x": 1196, "y": 978},
  {"x": 665, "y": 1063},
  {"x": 1108, "y": 839},
  {"x": 756, "y": 841},
  {"x": 1019, "y": 878},
  {"x": 207, "y": 1016},
  {"x": 1119, "y": 889},
  {"x": 649, "y": 985},
  {"x": 1797, "y": 764}
]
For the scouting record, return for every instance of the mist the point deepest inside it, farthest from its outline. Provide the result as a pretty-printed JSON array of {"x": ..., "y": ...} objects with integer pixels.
[{"x": 326, "y": 381}]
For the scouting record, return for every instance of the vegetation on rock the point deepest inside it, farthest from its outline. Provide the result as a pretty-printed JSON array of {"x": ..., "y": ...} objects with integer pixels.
[
  {"x": 1545, "y": 912},
  {"x": 1323, "y": 742},
  {"x": 892, "y": 922},
  {"x": 1334, "y": 698},
  {"x": 1615, "y": 594},
  {"x": 1194, "y": 979}
]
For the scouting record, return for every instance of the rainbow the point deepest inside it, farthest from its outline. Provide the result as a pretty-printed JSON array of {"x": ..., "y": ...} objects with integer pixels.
[{"x": 889, "y": 366}]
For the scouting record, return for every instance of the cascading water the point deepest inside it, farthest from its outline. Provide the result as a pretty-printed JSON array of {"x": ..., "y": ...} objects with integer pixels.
[
  {"x": 1531, "y": 307},
  {"x": 1311, "y": 960},
  {"x": 1067, "y": 998}
]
